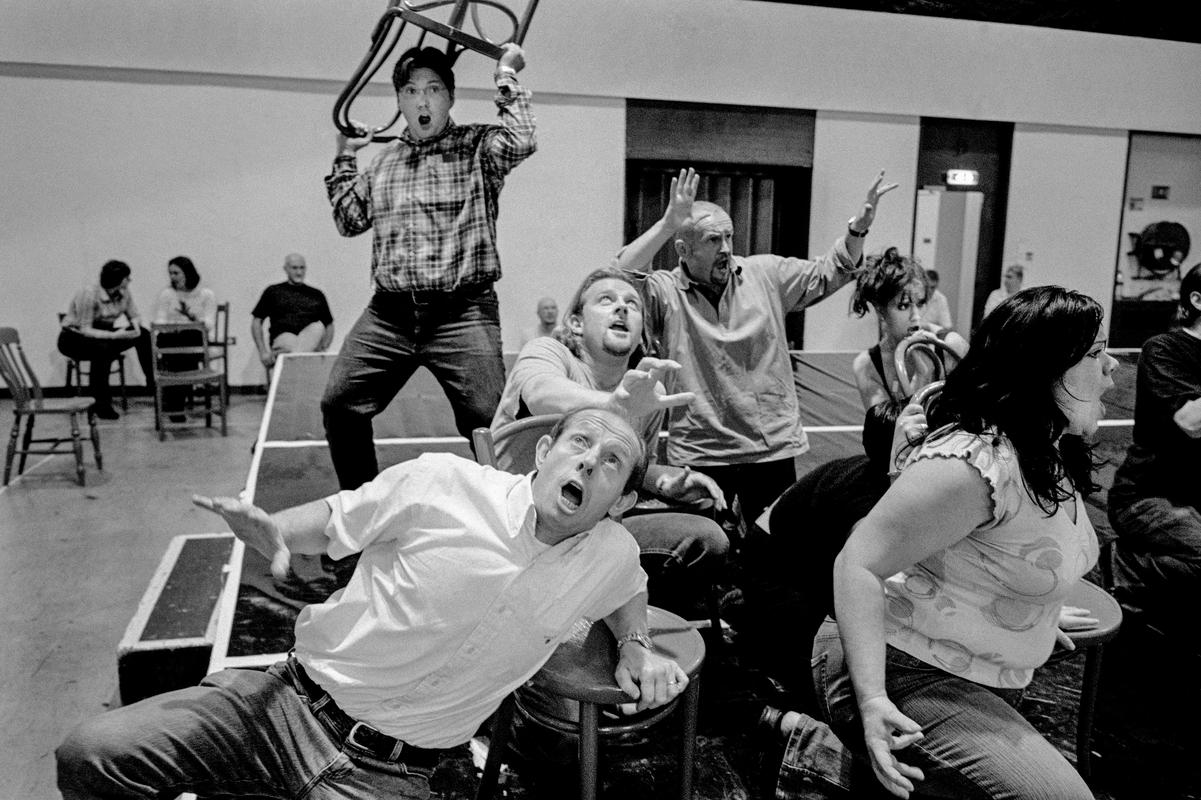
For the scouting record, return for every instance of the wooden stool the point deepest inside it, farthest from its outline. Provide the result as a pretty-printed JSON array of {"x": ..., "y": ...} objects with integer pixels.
[
  {"x": 1105, "y": 608},
  {"x": 581, "y": 669}
]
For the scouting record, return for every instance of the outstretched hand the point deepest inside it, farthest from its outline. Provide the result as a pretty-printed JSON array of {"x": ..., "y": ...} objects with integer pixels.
[
  {"x": 1073, "y": 618},
  {"x": 641, "y": 390},
  {"x": 867, "y": 213},
  {"x": 253, "y": 526},
  {"x": 650, "y": 679},
  {"x": 681, "y": 195}
]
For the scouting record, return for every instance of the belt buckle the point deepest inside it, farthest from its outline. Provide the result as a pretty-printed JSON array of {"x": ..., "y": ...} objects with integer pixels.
[
  {"x": 354, "y": 729},
  {"x": 374, "y": 747}
]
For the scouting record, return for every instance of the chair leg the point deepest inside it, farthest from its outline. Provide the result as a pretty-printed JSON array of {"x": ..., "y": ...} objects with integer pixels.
[
  {"x": 95, "y": 439},
  {"x": 1088, "y": 704},
  {"x": 224, "y": 406},
  {"x": 77, "y": 447},
  {"x": 158, "y": 409},
  {"x": 12, "y": 447},
  {"x": 692, "y": 696},
  {"x": 497, "y": 746},
  {"x": 208, "y": 405},
  {"x": 121, "y": 374},
  {"x": 589, "y": 745},
  {"x": 26, "y": 443}
]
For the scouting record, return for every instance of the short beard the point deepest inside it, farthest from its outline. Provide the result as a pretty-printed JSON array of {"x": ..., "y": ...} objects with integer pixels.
[{"x": 613, "y": 351}]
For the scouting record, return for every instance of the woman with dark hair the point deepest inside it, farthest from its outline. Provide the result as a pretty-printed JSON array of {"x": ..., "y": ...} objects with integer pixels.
[
  {"x": 895, "y": 287},
  {"x": 1155, "y": 501},
  {"x": 101, "y": 323},
  {"x": 184, "y": 300},
  {"x": 950, "y": 592}
]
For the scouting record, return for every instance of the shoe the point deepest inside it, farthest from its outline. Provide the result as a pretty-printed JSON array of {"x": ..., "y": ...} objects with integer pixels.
[{"x": 107, "y": 412}]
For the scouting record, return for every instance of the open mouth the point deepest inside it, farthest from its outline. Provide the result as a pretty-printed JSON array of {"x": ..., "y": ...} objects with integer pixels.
[
  {"x": 572, "y": 495},
  {"x": 424, "y": 119},
  {"x": 619, "y": 325}
]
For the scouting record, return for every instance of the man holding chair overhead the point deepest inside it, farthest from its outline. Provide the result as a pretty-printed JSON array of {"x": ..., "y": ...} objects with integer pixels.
[{"x": 469, "y": 579}]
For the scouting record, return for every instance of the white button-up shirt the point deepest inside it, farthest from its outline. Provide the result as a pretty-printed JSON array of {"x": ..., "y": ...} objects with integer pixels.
[{"x": 454, "y": 603}]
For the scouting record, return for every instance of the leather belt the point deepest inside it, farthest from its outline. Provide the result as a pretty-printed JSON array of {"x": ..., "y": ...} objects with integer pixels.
[{"x": 360, "y": 734}]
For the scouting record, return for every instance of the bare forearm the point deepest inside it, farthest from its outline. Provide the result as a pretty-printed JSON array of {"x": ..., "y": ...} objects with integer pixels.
[
  {"x": 303, "y": 527},
  {"x": 859, "y": 608},
  {"x": 555, "y": 394},
  {"x": 256, "y": 333},
  {"x": 629, "y": 618},
  {"x": 637, "y": 255}
]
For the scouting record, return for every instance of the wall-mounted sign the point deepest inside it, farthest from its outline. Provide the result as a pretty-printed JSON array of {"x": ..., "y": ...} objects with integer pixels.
[
  {"x": 1159, "y": 192},
  {"x": 962, "y": 177}
]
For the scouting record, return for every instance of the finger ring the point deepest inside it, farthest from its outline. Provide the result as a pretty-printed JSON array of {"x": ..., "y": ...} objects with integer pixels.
[{"x": 672, "y": 683}]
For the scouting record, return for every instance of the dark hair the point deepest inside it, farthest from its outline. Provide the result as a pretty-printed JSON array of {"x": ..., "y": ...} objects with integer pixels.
[
  {"x": 191, "y": 278},
  {"x": 112, "y": 273},
  {"x": 424, "y": 57},
  {"x": 878, "y": 424},
  {"x": 933, "y": 274},
  {"x": 885, "y": 275},
  {"x": 1007, "y": 380},
  {"x": 1191, "y": 282},
  {"x": 563, "y": 333},
  {"x": 637, "y": 473}
]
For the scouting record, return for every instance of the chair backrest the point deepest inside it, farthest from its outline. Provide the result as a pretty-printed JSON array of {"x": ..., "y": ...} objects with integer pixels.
[
  {"x": 935, "y": 349},
  {"x": 221, "y": 327},
  {"x": 511, "y": 447},
  {"x": 15, "y": 369},
  {"x": 178, "y": 338}
]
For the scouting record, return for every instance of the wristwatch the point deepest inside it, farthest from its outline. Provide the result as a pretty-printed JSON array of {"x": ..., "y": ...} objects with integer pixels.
[
  {"x": 851, "y": 230},
  {"x": 636, "y": 636}
]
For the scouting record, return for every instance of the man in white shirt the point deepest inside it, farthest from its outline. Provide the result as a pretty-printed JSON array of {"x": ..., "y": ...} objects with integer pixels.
[
  {"x": 469, "y": 578},
  {"x": 938, "y": 310}
]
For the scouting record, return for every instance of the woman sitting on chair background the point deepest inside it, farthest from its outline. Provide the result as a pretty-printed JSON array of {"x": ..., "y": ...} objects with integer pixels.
[
  {"x": 895, "y": 287},
  {"x": 950, "y": 592},
  {"x": 184, "y": 300}
]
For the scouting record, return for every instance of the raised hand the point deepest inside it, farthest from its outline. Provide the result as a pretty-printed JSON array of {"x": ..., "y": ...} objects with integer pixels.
[
  {"x": 641, "y": 390},
  {"x": 512, "y": 57},
  {"x": 253, "y": 526},
  {"x": 867, "y": 213},
  {"x": 349, "y": 145},
  {"x": 680, "y": 197}
]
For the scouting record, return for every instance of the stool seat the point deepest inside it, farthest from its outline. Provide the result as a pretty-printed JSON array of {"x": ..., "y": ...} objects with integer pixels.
[
  {"x": 581, "y": 668},
  {"x": 1100, "y": 604}
]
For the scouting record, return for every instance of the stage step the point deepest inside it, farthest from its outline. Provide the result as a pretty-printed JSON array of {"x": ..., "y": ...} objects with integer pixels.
[{"x": 170, "y": 638}]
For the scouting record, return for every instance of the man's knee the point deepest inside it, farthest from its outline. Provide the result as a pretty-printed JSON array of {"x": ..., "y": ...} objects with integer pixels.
[{"x": 84, "y": 758}]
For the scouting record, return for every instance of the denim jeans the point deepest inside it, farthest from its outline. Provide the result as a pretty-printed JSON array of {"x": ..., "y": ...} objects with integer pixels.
[
  {"x": 975, "y": 743},
  {"x": 681, "y": 553},
  {"x": 1157, "y": 561},
  {"x": 240, "y": 733},
  {"x": 455, "y": 335}
]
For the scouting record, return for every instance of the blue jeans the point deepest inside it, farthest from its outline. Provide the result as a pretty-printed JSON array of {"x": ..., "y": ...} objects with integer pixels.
[
  {"x": 1157, "y": 561},
  {"x": 975, "y": 744},
  {"x": 455, "y": 335},
  {"x": 240, "y": 733}
]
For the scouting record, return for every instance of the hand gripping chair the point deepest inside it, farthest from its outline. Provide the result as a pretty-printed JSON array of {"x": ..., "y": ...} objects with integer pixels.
[
  {"x": 29, "y": 402},
  {"x": 581, "y": 669},
  {"x": 181, "y": 355}
]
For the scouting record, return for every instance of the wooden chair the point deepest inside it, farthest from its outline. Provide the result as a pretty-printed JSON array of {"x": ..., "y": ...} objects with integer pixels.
[
  {"x": 221, "y": 342},
  {"x": 171, "y": 342},
  {"x": 76, "y": 372},
  {"x": 581, "y": 669},
  {"x": 29, "y": 402}
]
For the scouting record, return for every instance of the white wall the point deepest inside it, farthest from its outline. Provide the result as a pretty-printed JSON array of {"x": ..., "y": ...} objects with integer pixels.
[
  {"x": 143, "y": 130},
  {"x": 1065, "y": 189},
  {"x": 848, "y": 151}
]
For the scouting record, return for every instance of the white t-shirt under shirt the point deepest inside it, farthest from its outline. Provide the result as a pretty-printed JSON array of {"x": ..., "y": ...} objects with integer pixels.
[
  {"x": 986, "y": 608},
  {"x": 453, "y": 603}
]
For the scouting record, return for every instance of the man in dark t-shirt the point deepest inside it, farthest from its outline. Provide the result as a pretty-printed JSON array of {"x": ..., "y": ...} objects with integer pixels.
[
  {"x": 1155, "y": 501},
  {"x": 296, "y": 314}
]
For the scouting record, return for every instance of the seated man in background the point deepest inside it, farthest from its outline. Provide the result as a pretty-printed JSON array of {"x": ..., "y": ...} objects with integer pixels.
[
  {"x": 1155, "y": 501},
  {"x": 548, "y": 319},
  {"x": 469, "y": 579},
  {"x": 101, "y": 323},
  {"x": 297, "y": 314},
  {"x": 603, "y": 331}
]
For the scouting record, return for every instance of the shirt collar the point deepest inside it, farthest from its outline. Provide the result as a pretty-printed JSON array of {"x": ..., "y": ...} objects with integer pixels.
[
  {"x": 685, "y": 281},
  {"x": 412, "y": 141},
  {"x": 521, "y": 506}
]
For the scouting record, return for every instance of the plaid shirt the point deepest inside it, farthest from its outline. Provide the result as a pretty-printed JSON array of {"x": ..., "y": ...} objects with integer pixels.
[{"x": 433, "y": 203}]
